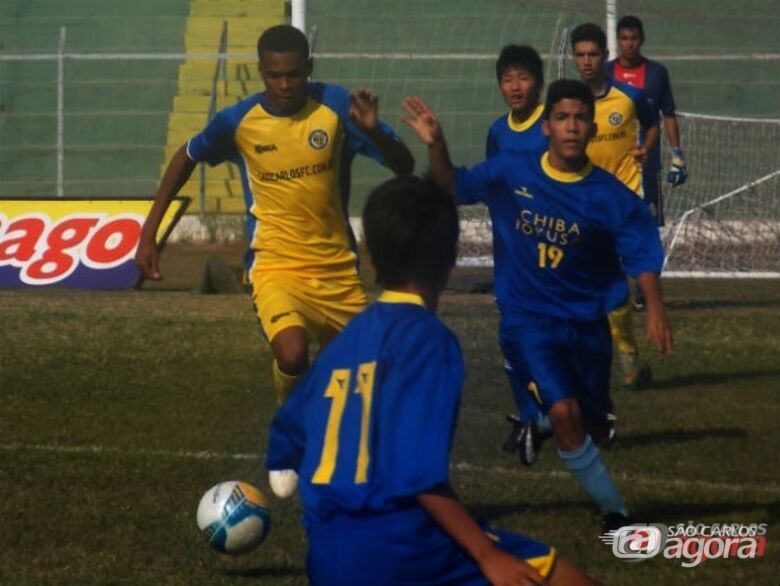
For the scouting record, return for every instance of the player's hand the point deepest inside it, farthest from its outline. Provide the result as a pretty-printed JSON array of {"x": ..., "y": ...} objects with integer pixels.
[
  {"x": 503, "y": 569},
  {"x": 364, "y": 109},
  {"x": 422, "y": 119},
  {"x": 146, "y": 258},
  {"x": 658, "y": 329},
  {"x": 678, "y": 171},
  {"x": 640, "y": 155}
]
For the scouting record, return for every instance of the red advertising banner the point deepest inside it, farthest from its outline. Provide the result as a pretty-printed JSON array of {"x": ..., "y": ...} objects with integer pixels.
[{"x": 71, "y": 242}]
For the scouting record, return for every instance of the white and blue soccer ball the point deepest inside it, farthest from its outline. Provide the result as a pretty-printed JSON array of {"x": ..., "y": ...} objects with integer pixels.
[{"x": 234, "y": 517}]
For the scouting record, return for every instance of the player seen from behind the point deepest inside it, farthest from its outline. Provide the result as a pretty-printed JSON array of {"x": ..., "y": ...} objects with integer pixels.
[{"x": 370, "y": 427}]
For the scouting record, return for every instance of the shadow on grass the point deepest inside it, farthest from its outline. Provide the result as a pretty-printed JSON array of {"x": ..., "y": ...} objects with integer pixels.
[
  {"x": 495, "y": 512},
  {"x": 723, "y": 512},
  {"x": 642, "y": 512},
  {"x": 698, "y": 379},
  {"x": 278, "y": 571},
  {"x": 691, "y": 304},
  {"x": 676, "y": 436}
]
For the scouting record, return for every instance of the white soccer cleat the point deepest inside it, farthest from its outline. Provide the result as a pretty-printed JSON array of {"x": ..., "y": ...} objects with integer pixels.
[{"x": 283, "y": 482}]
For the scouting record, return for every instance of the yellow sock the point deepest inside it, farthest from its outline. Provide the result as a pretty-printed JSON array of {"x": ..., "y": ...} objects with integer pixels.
[
  {"x": 622, "y": 328},
  {"x": 284, "y": 383}
]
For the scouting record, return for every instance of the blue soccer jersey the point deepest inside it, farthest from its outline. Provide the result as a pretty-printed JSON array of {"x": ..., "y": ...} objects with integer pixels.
[
  {"x": 561, "y": 241},
  {"x": 368, "y": 429},
  {"x": 526, "y": 137},
  {"x": 653, "y": 79},
  {"x": 296, "y": 175},
  {"x": 371, "y": 424}
]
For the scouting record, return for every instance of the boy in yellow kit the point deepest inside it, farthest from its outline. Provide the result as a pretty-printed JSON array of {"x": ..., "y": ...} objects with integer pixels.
[
  {"x": 626, "y": 130},
  {"x": 294, "y": 144}
]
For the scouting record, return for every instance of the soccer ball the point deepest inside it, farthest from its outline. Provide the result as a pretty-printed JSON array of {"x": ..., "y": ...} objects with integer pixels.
[{"x": 234, "y": 517}]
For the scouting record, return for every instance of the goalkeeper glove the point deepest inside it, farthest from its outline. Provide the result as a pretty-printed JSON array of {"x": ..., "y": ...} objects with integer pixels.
[{"x": 678, "y": 171}]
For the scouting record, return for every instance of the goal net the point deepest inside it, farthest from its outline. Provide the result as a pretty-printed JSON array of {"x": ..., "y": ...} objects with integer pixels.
[{"x": 724, "y": 221}]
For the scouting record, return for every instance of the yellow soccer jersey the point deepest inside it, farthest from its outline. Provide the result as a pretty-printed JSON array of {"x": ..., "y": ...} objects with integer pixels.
[
  {"x": 296, "y": 175},
  {"x": 621, "y": 114}
]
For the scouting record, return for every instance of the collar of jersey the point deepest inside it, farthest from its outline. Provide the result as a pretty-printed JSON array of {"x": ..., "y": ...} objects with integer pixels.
[
  {"x": 263, "y": 100},
  {"x": 564, "y": 176},
  {"x": 400, "y": 297},
  {"x": 641, "y": 62},
  {"x": 525, "y": 124},
  {"x": 607, "y": 89}
]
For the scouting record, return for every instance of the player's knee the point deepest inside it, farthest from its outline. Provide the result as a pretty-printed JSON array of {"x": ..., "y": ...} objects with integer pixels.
[
  {"x": 291, "y": 351},
  {"x": 566, "y": 419}
]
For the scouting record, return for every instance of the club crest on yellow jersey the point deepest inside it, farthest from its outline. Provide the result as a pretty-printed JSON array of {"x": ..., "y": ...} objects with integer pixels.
[
  {"x": 615, "y": 118},
  {"x": 318, "y": 139}
]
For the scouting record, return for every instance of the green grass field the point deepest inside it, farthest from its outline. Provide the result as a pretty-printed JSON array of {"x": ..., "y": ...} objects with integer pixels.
[{"x": 120, "y": 409}]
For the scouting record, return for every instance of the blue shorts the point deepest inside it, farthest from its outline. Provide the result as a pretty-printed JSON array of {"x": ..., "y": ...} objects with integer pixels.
[
  {"x": 404, "y": 548},
  {"x": 559, "y": 359},
  {"x": 653, "y": 193}
]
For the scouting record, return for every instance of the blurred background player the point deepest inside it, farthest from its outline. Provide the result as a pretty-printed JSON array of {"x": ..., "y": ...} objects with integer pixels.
[
  {"x": 626, "y": 130},
  {"x": 634, "y": 69},
  {"x": 294, "y": 144},
  {"x": 520, "y": 75},
  {"x": 370, "y": 427},
  {"x": 567, "y": 230}
]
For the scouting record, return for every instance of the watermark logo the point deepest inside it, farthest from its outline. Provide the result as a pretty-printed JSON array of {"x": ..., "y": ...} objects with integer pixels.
[
  {"x": 691, "y": 544},
  {"x": 636, "y": 542}
]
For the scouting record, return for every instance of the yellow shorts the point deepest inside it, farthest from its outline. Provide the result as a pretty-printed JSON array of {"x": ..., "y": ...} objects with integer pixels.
[{"x": 321, "y": 306}]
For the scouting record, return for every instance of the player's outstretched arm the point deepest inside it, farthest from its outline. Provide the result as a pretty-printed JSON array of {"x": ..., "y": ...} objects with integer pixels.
[
  {"x": 176, "y": 174},
  {"x": 499, "y": 567},
  {"x": 642, "y": 152},
  {"x": 426, "y": 125},
  {"x": 658, "y": 329},
  {"x": 364, "y": 112}
]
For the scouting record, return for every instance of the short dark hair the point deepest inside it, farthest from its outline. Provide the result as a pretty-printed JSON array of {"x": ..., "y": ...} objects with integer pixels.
[
  {"x": 568, "y": 89},
  {"x": 589, "y": 32},
  {"x": 633, "y": 23},
  {"x": 411, "y": 232},
  {"x": 521, "y": 57},
  {"x": 282, "y": 38}
]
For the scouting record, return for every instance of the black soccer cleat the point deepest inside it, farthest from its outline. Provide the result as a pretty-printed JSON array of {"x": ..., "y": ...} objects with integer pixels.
[
  {"x": 513, "y": 439},
  {"x": 611, "y": 522},
  {"x": 611, "y": 430},
  {"x": 530, "y": 442}
]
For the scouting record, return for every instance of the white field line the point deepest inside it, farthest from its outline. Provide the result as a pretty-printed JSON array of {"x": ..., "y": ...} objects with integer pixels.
[
  {"x": 769, "y": 489},
  {"x": 391, "y": 56},
  {"x": 100, "y": 450}
]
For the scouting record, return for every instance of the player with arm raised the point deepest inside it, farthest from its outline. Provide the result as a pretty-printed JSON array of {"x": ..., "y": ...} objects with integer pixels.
[
  {"x": 294, "y": 144},
  {"x": 370, "y": 427},
  {"x": 566, "y": 231},
  {"x": 634, "y": 69},
  {"x": 626, "y": 131}
]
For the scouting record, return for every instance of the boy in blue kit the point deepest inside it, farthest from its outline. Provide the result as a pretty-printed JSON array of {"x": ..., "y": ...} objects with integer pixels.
[
  {"x": 520, "y": 75},
  {"x": 564, "y": 232},
  {"x": 370, "y": 427}
]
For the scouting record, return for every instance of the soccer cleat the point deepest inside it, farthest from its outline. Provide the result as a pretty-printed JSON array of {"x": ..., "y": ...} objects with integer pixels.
[
  {"x": 513, "y": 439},
  {"x": 283, "y": 482},
  {"x": 611, "y": 430},
  {"x": 639, "y": 303},
  {"x": 635, "y": 376},
  {"x": 611, "y": 522},
  {"x": 530, "y": 442}
]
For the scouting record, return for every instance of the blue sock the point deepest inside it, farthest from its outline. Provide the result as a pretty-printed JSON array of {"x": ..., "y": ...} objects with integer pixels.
[
  {"x": 588, "y": 468},
  {"x": 543, "y": 423}
]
